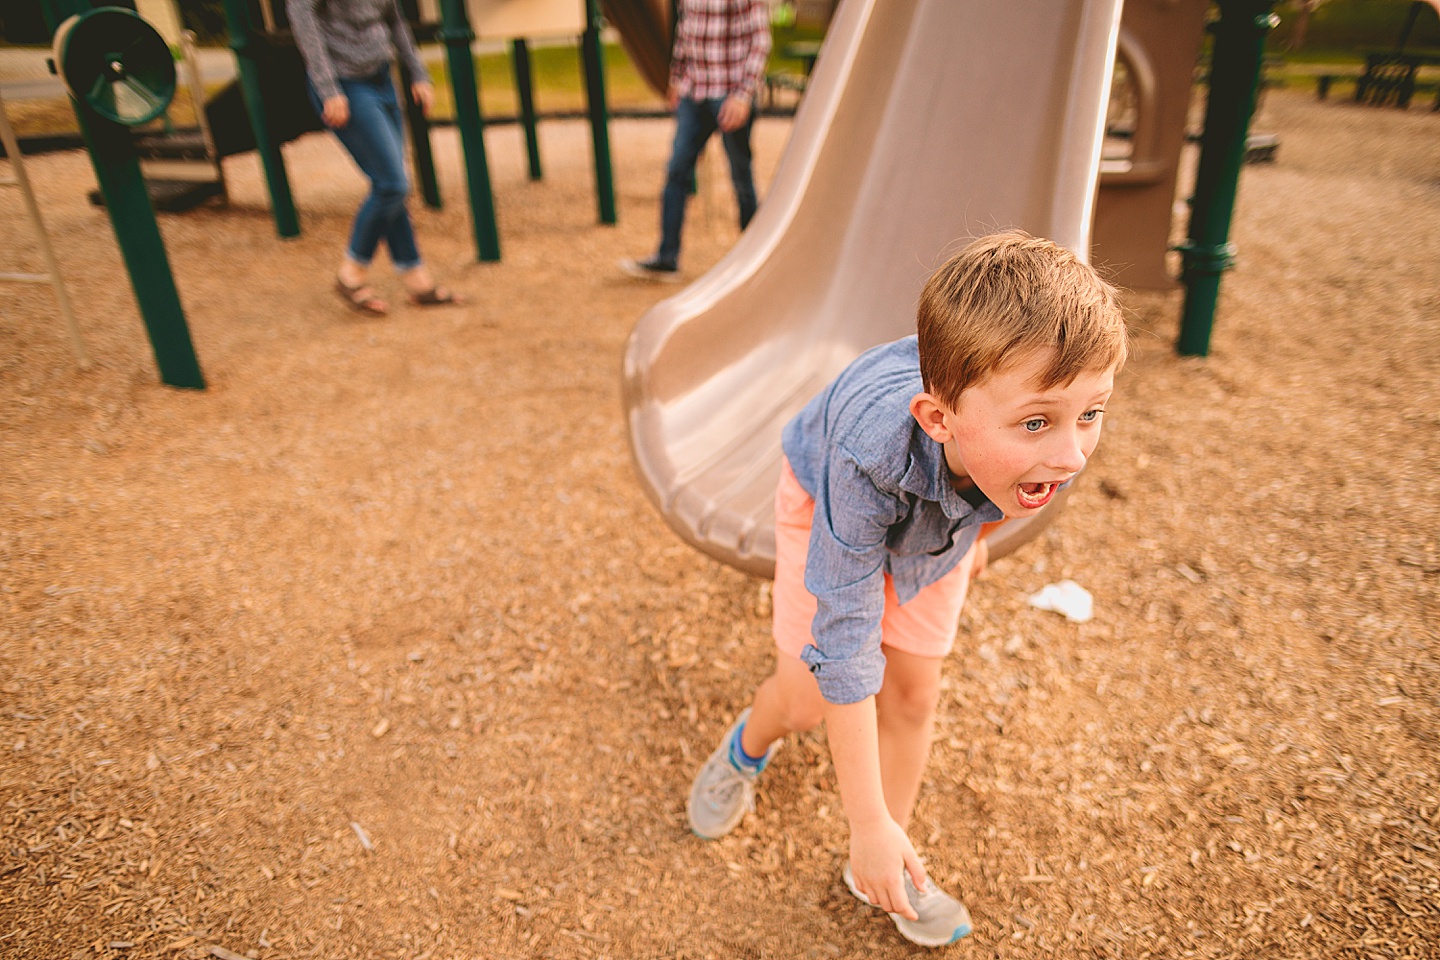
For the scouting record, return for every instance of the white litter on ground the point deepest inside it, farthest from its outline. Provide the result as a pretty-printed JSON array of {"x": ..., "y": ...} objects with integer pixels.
[{"x": 1066, "y": 597}]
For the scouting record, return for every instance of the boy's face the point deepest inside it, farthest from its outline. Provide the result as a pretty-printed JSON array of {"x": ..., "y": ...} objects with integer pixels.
[{"x": 1015, "y": 441}]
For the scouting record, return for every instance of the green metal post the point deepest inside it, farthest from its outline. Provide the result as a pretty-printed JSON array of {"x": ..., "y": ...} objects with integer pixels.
[
  {"x": 599, "y": 113},
  {"x": 419, "y": 124},
  {"x": 117, "y": 171},
  {"x": 248, "y": 50},
  {"x": 524, "y": 89},
  {"x": 1235, "y": 64},
  {"x": 455, "y": 31}
]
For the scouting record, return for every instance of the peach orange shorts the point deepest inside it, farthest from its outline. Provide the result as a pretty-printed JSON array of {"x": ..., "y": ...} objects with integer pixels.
[{"x": 925, "y": 626}]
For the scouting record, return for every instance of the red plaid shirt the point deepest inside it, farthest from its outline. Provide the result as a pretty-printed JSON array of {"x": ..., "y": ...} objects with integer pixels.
[{"x": 721, "y": 47}]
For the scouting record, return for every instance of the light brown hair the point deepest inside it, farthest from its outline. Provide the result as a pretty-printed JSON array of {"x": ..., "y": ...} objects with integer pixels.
[{"x": 1002, "y": 298}]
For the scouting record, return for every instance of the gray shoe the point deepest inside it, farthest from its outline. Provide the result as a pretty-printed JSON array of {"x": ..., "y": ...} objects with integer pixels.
[
  {"x": 651, "y": 268},
  {"x": 722, "y": 794},
  {"x": 943, "y": 919}
]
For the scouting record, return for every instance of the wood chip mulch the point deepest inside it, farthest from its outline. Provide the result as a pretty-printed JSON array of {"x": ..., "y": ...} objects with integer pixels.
[{"x": 376, "y": 649}]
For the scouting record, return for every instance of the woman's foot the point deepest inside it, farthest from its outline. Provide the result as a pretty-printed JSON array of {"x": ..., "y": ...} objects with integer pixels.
[
  {"x": 361, "y": 298},
  {"x": 436, "y": 297},
  {"x": 423, "y": 291}
]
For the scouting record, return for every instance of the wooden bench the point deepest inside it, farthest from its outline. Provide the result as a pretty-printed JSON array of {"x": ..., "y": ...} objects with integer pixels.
[{"x": 782, "y": 80}]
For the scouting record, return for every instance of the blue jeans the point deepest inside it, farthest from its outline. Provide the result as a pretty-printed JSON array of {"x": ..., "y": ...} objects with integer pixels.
[
  {"x": 695, "y": 121},
  {"x": 375, "y": 138}
]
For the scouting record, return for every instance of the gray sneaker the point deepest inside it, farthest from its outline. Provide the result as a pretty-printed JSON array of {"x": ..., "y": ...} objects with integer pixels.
[
  {"x": 722, "y": 793},
  {"x": 943, "y": 919},
  {"x": 651, "y": 268}
]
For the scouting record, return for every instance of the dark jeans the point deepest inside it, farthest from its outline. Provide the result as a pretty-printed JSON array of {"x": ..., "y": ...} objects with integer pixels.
[
  {"x": 695, "y": 121},
  {"x": 375, "y": 138}
]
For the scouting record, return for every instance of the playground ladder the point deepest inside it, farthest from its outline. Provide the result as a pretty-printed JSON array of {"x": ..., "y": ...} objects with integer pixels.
[
  {"x": 178, "y": 170},
  {"x": 57, "y": 283}
]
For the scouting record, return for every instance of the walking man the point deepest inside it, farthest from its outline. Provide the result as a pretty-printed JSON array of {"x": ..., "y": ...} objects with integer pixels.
[{"x": 721, "y": 47}]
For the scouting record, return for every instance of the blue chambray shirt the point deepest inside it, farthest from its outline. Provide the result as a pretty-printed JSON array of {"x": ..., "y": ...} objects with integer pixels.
[{"x": 884, "y": 503}]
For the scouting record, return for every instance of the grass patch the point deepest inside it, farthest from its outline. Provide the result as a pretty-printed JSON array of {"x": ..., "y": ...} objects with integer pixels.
[{"x": 557, "y": 80}]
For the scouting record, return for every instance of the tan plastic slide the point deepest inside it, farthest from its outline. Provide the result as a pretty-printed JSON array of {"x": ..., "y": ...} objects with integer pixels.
[{"x": 927, "y": 123}]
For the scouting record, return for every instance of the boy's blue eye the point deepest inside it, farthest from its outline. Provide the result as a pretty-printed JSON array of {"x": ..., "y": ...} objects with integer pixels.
[
  {"x": 1090, "y": 416},
  {"x": 1035, "y": 425}
]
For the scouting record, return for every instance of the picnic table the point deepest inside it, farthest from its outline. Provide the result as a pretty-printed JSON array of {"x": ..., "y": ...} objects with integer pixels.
[{"x": 1390, "y": 77}]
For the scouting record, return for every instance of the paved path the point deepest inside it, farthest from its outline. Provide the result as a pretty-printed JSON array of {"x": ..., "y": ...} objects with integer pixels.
[{"x": 25, "y": 74}]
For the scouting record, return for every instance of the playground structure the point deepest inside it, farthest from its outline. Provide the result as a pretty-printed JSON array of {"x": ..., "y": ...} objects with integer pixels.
[
  {"x": 259, "y": 35},
  {"x": 120, "y": 74},
  {"x": 893, "y": 71},
  {"x": 52, "y": 275},
  {"x": 266, "y": 106},
  {"x": 712, "y": 374},
  {"x": 1157, "y": 46},
  {"x": 185, "y": 166}
]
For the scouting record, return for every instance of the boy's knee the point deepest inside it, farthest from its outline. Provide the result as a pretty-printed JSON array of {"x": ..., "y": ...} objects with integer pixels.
[
  {"x": 911, "y": 703},
  {"x": 803, "y": 717}
]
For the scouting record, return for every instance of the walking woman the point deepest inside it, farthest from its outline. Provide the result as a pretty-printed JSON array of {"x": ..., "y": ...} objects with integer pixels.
[{"x": 349, "y": 47}]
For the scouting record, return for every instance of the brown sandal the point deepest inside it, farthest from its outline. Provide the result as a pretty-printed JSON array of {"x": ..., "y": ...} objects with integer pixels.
[
  {"x": 361, "y": 299},
  {"x": 436, "y": 296}
]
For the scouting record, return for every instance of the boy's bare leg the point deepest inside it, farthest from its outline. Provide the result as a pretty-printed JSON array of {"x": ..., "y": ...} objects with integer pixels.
[
  {"x": 905, "y": 720},
  {"x": 789, "y": 701}
]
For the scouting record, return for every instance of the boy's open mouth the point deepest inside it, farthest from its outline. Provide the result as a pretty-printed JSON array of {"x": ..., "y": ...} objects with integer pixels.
[{"x": 1033, "y": 496}]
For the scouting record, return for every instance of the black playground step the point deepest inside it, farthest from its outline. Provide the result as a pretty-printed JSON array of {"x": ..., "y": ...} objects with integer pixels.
[{"x": 173, "y": 196}]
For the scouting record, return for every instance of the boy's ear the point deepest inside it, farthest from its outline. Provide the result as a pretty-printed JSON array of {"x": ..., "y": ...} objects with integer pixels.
[{"x": 930, "y": 414}]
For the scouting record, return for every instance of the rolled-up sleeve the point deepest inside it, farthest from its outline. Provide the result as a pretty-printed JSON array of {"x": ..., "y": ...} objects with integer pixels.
[{"x": 845, "y": 571}]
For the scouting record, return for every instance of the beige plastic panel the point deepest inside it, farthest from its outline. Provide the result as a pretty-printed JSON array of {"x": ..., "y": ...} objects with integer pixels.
[
  {"x": 1159, "y": 44},
  {"x": 517, "y": 19},
  {"x": 927, "y": 123},
  {"x": 164, "y": 16}
]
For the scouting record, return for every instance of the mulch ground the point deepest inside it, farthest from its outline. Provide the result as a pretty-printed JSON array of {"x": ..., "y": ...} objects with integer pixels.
[{"x": 375, "y": 648}]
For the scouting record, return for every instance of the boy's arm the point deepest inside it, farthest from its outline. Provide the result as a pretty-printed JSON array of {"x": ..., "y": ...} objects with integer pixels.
[
  {"x": 845, "y": 572},
  {"x": 879, "y": 848}
]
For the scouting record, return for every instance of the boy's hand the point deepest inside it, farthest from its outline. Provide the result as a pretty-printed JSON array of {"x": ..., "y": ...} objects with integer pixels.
[{"x": 877, "y": 856}]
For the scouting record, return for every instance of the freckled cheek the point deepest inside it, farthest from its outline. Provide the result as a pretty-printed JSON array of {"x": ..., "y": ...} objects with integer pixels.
[{"x": 1013, "y": 464}]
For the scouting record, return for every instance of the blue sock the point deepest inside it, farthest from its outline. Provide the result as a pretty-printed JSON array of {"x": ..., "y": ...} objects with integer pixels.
[{"x": 743, "y": 760}]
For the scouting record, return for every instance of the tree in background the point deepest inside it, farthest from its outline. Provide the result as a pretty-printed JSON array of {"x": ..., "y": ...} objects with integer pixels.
[
  {"x": 23, "y": 22},
  {"x": 1352, "y": 27}
]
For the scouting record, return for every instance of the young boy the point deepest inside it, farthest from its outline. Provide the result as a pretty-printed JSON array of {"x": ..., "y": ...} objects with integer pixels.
[{"x": 890, "y": 473}]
